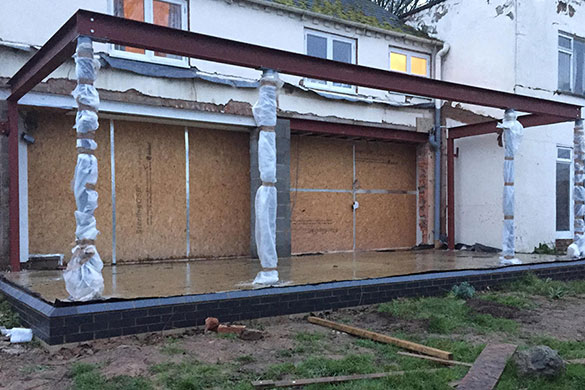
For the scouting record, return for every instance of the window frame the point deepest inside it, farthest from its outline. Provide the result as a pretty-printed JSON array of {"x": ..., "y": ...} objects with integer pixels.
[
  {"x": 329, "y": 85},
  {"x": 149, "y": 55},
  {"x": 564, "y": 50},
  {"x": 565, "y": 234},
  {"x": 574, "y": 65},
  {"x": 409, "y": 54}
]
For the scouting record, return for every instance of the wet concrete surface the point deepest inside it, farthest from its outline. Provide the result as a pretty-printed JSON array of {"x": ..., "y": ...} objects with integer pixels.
[{"x": 208, "y": 276}]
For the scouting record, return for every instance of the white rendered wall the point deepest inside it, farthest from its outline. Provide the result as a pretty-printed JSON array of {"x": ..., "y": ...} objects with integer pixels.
[
  {"x": 35, "y": 21},
  {"x": 278, "y": 29},
  {"x": 510, "y": 45}
]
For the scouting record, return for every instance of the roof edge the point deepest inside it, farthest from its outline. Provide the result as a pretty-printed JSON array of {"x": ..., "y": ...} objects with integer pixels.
[{"x": 306, "y": 13}]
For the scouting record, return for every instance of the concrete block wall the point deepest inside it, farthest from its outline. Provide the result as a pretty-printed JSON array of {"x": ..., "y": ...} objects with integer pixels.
[
  {"x": 283, "y": 237},
  {"x": 4, "y": 183}
]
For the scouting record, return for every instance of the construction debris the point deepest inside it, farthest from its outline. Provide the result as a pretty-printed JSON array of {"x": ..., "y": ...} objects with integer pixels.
[
  {"x": 488, "y": 367},
  {"x": 17, "y": 335},
  {"x": 434, "y": 359},
  {"x": 236, "y": 329},
  {"x": 382, "y": 338},
  {"x": 211, "y": 324},
  {"x": 269, "y": 384}
]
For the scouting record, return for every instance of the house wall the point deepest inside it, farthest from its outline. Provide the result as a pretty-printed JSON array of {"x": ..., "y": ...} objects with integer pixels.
[{"x": 511, "y": 46}]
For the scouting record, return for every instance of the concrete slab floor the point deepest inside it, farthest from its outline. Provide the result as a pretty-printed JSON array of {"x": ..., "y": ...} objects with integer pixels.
[{"x": 207, "y": 276}]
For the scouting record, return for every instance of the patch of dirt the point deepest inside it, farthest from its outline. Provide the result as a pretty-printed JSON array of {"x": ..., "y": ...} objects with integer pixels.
[
  {"x": 562, "y": 319},
  {"x": 499, "y": 310},
  {"x": 369, "y": 317}
]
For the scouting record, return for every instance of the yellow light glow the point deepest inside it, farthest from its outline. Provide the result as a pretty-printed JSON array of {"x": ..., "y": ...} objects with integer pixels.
[
  {"x": 418, "y": 66},
  {"x": 398, "y": 62}
]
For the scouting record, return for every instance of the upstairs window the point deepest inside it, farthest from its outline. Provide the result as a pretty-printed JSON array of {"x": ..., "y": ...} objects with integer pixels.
[
  {"x": 168, "y": 13},
  {"x": 330, "y": 47},
  {"x": 571, "y": 64},
  {"x": 414, "y": 63}
]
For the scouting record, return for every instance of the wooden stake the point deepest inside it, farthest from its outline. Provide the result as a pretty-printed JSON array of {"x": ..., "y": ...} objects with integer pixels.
[
  {"x": 382, "y": 338},
  {"x": 434, "y": 359},
  {"x": 331, "y": 379}
]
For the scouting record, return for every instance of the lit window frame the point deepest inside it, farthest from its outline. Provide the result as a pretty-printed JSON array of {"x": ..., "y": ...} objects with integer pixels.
[
  {"x": 565, "y": 234},
  {"x": 329, "y": 85},
  {"x": 148, "y": 55},
  {"x": 409, "y": 54}
]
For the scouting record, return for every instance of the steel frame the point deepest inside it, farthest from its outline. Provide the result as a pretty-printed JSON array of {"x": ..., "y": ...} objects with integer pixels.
[
  {"x": 349, "y": 130},
  {"x": 111, "y": 29}
]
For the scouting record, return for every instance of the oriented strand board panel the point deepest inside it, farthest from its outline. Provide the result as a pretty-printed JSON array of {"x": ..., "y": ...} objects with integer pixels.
[
  {"x": 150, "y": 191},
  {"x": 320, "y": 163},
  {"x": 219, "y": 171},
  {"x": 51, "y": 164},
  {"x": 385, "y": 221},
  {"x": 387, "y": 166},
  {"x": 321, "y": 222}
]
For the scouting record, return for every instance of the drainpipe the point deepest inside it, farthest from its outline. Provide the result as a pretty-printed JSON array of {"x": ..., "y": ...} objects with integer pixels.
[{"x": 436, "y": 145}]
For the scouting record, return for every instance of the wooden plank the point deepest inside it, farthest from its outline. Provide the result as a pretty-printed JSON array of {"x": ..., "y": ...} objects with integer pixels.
[
  {"x": 323, "y": 163},
  {"x": 270, "y": 384},
  {"x": 488, "y": 367},
  {"x": 385, "y": 166},
  {"x": 321, "y": 222},
  {"x": 219, "y": 170},
  {"x": 434, "y": 359},
  {"x": 150, "y": 191},
  {"x": 382, "y": 338},
  {"x": 385, "y": 221},
  {"x": 51, "y": 163}
]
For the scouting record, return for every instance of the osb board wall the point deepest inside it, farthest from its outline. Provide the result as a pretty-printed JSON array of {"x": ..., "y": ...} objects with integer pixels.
[
  {"x": 321, "y": 222},
  {"x": 385, "y": 221},
  {"x": 322, "y": 163},
  {"x": 385, "y": 166},
  {"x": 51, "y": 164},
  {"x": 150, "y": 191},
  {"x": 219, "y": 166}
]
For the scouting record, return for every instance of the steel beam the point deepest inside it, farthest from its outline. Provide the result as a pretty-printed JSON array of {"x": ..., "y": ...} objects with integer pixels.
[
  {"x": 318, "y": 127},
  {"x": 13, "y": 192},
  {"x": 106, "y": 28},
  {"x": 54, "y": 52},
  {"x": 490, "y": 126}
]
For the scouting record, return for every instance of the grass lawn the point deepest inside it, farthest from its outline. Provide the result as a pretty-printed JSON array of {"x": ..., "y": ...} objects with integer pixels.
[{"x": 529, "y": 312}]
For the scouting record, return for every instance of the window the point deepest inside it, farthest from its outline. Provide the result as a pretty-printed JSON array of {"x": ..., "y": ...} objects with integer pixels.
[
  {"x": 331, "y": 47},
  {"x": 563, "y": 192},
  {"x": 410, "y": 62},
  {"x": 571, "y": 64},
  {"x": 169, "y": 13}
]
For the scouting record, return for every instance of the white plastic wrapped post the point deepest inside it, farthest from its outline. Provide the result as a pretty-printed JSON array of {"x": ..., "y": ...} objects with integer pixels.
[
  {"x": 577, "y": 248},
  {"x": 265, "y": 203},
  {"x": 513, "y": 133},
  {"x": 83, "y": 276}
]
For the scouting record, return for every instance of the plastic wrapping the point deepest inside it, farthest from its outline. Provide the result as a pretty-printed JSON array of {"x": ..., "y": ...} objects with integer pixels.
[
  {"x": 265, "y": 203},
  {"x": 577, "y": 248},
  {"x": 17, "y": 335},
  {"x": 513, "y": 133},
  {"x": 267, "y": 156},
  {"x": 83, "y": 276}
]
